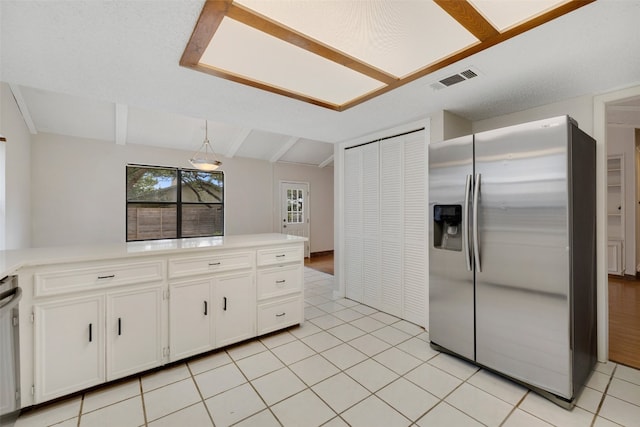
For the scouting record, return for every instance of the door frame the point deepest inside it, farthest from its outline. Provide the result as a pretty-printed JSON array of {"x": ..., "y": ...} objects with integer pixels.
[
  {"x": 282, "y": 183},
  {"x": 600, "y": 134}
]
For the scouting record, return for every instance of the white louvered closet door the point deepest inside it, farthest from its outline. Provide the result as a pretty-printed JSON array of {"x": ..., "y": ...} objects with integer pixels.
[
  {"x": 371, "y": 224},
  {"x": 353, "y": 224},
  {"x": 391, "y": 219},
  {"x": 385, "y": 223},
  {"x": 415, "y": 303}
]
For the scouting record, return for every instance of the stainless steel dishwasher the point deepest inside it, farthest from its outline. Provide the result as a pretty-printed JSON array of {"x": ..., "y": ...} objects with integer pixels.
[{"x": 10, "y": 295}]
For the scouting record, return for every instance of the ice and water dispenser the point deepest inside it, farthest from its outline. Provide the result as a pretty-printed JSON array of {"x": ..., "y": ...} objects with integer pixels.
[{"x": 447, "y": 227}]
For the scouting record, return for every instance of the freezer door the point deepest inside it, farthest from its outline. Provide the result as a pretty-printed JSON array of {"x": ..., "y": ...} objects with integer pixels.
[
  {"x": 523, "y": 281},
  {"x": 451, "y": 312}
]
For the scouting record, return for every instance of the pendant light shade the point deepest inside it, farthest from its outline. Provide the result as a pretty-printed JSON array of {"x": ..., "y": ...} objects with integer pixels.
[{"x": 205, "y": 159}]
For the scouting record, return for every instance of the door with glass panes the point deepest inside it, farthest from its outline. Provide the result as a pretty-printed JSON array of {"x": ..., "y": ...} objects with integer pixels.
[{"x": 294, "y": 210}]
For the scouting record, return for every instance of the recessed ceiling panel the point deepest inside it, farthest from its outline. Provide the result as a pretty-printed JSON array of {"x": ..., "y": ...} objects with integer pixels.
[
  {"x": 398, "y": 37},
  {"x": 261, "y": 145},
  {"x": 70, "y": 115},
  {"x": 308, "y": 152},
  {"x": 241, "y": 50},
  {"x": 505, "y": 14},
  {"x": 338, "y": 54}
]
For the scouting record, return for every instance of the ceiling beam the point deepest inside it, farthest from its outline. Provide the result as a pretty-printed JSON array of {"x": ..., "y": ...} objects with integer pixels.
[
  {"x": 24, "y": 110},
  {"x": 467, "y": 16},
  {"x": 326, "y": 161},
  {"x": 208, "y": 23},
  {"x": 283, "y": 150},
  {"x": 237, "y": 143},
  {"x": 122, "y": 118}
]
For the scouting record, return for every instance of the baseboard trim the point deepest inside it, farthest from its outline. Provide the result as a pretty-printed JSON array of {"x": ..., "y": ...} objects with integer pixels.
[{"x": 321, "y": 253}]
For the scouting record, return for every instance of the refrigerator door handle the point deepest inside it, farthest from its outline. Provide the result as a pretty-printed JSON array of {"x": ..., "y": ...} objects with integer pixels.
[
  {"x": 466, "y": 241},
  {"x": 476, "y": 243}
]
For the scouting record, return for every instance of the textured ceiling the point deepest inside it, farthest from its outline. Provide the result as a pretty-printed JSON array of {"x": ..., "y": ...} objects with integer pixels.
[{"x": 92, "y": 55}]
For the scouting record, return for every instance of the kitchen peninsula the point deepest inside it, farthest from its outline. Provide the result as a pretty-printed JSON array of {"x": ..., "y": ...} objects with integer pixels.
[{"x": 94, "y": 314}]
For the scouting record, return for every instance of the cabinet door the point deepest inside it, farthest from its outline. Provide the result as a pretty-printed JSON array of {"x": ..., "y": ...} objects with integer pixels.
[
  {"x": 133, "y": 331},
  {"x": 234, "y": 298},
  {"x": 69, "y": 346},
  {"x": 190, "y": 314}
]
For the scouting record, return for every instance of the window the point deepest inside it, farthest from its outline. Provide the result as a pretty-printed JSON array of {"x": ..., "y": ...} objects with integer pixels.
[
  {"x": 295, "y": 213},
  {"x": 168, "y": 203}
]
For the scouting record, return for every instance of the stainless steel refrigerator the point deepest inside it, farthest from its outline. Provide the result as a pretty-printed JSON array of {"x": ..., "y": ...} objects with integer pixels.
[{"x": 512, "y": 253}]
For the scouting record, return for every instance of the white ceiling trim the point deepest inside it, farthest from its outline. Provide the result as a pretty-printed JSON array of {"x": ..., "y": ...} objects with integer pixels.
[
  {"x": 624, "y": 125},
  {"x": 283, "y": 150},
  {"x": 24, "y": 110},
  {"x": 326, "y": 161},
  {"x": 237, "y": 143},
  {"x": 122, "y": 116},
  {"x": 631, "y": 108}
]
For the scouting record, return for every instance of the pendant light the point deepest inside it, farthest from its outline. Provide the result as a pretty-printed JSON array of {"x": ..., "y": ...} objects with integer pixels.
[{"x": 205, "y": 159}]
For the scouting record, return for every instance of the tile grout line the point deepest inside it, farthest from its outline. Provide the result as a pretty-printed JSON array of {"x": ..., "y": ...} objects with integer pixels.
[
  {"x": 206, "y": 408},
  {"x": 604, "y": 395},
  {"x": 268, "y": 407},
  {"x": 144, "y": 408},
  {"x": 81, "y": 406}
]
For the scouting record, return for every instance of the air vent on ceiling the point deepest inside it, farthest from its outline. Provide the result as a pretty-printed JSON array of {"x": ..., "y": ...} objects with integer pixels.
[{"x": 455, "y": 79}]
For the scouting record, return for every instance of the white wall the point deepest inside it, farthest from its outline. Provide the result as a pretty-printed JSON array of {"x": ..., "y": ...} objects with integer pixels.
[
  {"x": 78, "y": 189},
  {"x": 580, "y": 109},
  {"x": 320, "y": 200},
  {"x": 622, "y": 141},
  {"x": 15, "y": 231}
]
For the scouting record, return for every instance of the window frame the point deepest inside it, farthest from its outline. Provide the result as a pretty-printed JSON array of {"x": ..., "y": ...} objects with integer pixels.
[{"x": 178, "y": 203}]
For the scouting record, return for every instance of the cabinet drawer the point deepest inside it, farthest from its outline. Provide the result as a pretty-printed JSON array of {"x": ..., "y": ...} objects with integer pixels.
[
  {"x": 278, "y": 315},
  {"x": 75, "y": 279},
  {"x": 279, "y": 281},
  {"x": 181, "y": 267},
  {"x": 280, "y": 255}
]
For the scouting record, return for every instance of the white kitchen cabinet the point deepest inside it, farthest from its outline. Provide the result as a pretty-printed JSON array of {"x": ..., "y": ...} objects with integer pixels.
[
  {"x": 190, "y": 325},
  {"x": 134, "y": 340},
  {"x": 211, "y": 312},
  {"x": 234, "y": 303},
  {"x": 98, "y": 318},
  {"x": 615, "y": 257},
  {"x": 279, "y": 289},
  {"x": 279, "y": 314},
  {"x": 80, "y": 344},
  {"x": 69, "y": 346},
  {"x": 615, "y": 214}
]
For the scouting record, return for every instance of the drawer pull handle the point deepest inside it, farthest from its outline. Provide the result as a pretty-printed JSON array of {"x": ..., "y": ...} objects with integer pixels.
[
  {"x": 281, "y": 256},
  {"x": 111, "y": 276},
  {"x": 280, "y": 281},
  {"x": 119, "y": 326},
  {"x": 225, "y": 304},
  {"x": 90, "y": 332},
  {"x": 205, "y": 308},
  {"x": 281, "y": 314},
  {"x": 214, "y": 263}
]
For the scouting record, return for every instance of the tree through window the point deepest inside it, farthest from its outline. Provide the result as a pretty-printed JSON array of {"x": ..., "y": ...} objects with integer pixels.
[{"x": 167, "y": 203}]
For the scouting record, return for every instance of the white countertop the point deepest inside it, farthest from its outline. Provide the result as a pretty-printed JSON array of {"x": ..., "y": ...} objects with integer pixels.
[{"x": 12, "y": 260}]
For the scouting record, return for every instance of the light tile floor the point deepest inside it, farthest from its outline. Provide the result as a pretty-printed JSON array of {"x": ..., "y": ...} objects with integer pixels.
[{"x": 348, "y": 365}]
